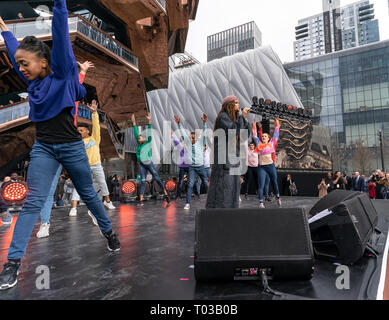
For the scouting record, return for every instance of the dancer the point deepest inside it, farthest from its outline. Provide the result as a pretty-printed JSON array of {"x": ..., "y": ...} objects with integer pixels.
[
  {"x": 143, "y": 155},
  {"x": 207, "y": 167},
  {"x": 273, "y": 155},
  {"x": 266, "y": 164},
  {"x": 224, "y": 188},
  {"x": 196, "y": 160},
  {"x": 183, "y": 165},
  {"x": 46, "y": 211},
  {"x": 53, "y": 86},
  {"x": 252, "y": 166},
  {"x": 92, "y": 146}
]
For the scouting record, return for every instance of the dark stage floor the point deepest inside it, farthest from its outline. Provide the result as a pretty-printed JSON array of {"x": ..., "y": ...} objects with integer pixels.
[{"x": 155, "y": 261}]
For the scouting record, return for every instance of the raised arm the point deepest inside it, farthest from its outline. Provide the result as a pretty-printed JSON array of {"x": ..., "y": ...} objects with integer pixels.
[
  {"x": 255, "y": 134},
  {"x": 12, "y": 45},
  {"x": 62, "y": 56},
  {"x": 149, "y": 131},
  {"x": 276, "y": 135},
  {"x": 136, "y": 133},
  {"x": 95, "y": 122},
  {"x": 203, "y": 137}
]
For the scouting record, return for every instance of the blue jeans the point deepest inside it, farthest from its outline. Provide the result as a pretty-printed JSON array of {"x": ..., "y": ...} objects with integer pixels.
[
  {"x": 44, "y": 162},
  {"x": 267, "y": 185},
  {"x": 181, "y": 176},
  {"x": 200, "y": 171},
  {"x": 46, "y": 211},
  {"x": 263, "y": 171},
  {"x": 143, "y": 174},
  {"x": 198, "y": 184}
]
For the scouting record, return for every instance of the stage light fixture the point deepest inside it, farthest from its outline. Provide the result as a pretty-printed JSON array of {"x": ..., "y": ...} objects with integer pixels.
[
  {"x": 268, "y": 102},
  {"x": 128, "y": 191},
  {"x": 261, "y": 101},
  {"x": 255, "y": 101},
  {"x": 14, "y": 194},
  {"x": 171, "y": 187}
]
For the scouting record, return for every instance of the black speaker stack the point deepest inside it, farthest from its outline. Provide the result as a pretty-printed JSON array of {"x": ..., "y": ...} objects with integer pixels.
[{"x": 261, "y": 244}]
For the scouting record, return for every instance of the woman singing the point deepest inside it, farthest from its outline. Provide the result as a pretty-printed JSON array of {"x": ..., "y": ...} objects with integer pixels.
[{"x": 224, "y": 188}]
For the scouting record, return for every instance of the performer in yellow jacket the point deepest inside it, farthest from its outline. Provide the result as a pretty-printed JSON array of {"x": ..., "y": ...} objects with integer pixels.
[{"x": 92, "y": 146}]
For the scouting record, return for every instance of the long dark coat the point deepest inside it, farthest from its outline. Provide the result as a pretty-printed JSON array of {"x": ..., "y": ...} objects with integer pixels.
[{"x": 224, "y": 188}]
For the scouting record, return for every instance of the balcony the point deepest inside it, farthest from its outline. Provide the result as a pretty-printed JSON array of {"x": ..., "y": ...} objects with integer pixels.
[{"x": 77, "y": 24}]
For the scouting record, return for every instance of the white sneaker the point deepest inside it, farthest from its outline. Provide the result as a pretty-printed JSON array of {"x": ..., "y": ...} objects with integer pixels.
[
  {"x": 73, "y": 212},
  {"x": 93, "y": 218},
  {"x": 43, "y": 230},
  {"x": 109, "y": 205},
  {"x": 261, "y": 205},
  {"x": 240, "y": 200},
  {"x": 187, "y": 206},
  {"x": 279, "y": 202}
]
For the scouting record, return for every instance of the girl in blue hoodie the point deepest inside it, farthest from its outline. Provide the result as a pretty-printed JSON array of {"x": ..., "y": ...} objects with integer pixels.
[{"x": 53, "y": 87}]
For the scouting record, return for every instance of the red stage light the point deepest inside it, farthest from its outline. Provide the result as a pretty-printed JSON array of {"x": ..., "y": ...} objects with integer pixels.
[
  {"x": 14, "y": 191},
  {"x": 290, "y": 108},
  {"x": 268, "y": 102},
  {"x": 170, "y": 186},
  {"x": 129, "y": 187}
]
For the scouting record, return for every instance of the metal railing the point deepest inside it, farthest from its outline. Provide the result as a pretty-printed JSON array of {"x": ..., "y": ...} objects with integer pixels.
[
  {"x": 41, "y": 28},
  {"x": 162, "y": 3},
  {"x": 14, "y": 112}
]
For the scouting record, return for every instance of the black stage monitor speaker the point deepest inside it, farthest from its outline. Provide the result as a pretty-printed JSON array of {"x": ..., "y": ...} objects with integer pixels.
[
  {"x": 237, "y": 244},
  {"x": 341, "y": 233},
  {"x": 331, "y": 199}
]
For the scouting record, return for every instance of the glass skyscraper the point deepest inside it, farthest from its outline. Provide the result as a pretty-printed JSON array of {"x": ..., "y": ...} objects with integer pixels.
[
  {"x": 238, "y": 39},
  {"x": 335, "y": 29},
  {"x": 348, "y": 92}
]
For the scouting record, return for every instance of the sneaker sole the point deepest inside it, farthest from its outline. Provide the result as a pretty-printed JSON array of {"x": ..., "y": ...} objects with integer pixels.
[
  {"x": 8, "y": 286},
  {"x": 112, "y": 250},
  {"x": 40, "y": 237},
  {"x": 93, "y": 219}
]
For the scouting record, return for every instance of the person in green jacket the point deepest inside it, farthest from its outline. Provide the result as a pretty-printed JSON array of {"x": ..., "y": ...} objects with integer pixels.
[{"x": 143, "y": 155}]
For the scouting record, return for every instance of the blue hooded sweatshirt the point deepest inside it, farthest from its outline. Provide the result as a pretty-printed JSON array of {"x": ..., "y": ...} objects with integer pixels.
[{"x": 59, "y": 90}]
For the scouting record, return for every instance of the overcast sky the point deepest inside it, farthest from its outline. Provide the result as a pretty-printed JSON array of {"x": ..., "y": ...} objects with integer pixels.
[{"x": 275, "y": 18}]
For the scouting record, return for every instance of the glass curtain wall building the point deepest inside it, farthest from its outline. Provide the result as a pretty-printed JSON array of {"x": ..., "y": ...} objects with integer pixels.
[
  {"x": 348, "y": 92},
  {"x": 238, "y": 39},
  {"x": 335, "y": 29}
]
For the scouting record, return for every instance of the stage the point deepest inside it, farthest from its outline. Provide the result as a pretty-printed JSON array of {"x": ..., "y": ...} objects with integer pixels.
[{"x": 156, "y": 260}]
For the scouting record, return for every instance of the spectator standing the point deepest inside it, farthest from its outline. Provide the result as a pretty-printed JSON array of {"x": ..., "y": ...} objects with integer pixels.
[
  {"x": 337, "y": 181},
  {"x": 322, "y": 188},
  {"x": 358, "y": 183},
  {"x": 347, "y": 181},
  {"x": 289, "y": 186},
  {"x": 329, "y": 182}
]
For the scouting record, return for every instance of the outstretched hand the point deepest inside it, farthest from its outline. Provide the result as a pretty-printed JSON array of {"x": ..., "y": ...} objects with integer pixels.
[
  {"x": 148, "y": 116},
  {"x": 278, "y": 124},
  {"x": 133, "y": 120},
  {"x": 3, "y": 26},
  {"x": 93, "y": 106},
  {"x": 204, "y": 118},
  {"x": 84, "y": 67},
  {"x": 177, "y": 119}
]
